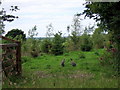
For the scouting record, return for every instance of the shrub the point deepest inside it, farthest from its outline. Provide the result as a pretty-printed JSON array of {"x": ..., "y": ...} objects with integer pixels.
[
  {"x": 25, "y": 59},
  {"x": 105, "y": 59},
  {"x": 81, "y": 55},
  {"x": 98, "y": 38},
  {"x": 96, "y": 53},
  {"x": 75, "y": 40},
  {"x": 34, "y": 53},
  {"x": 86, "y": 43},
  {"x": 35, "y": 49},
  {"x": 31, "y": 47},
  {"x": 46, "y": 46},
  {"x": 86, "y": 47},
  {"x": 57, "y": 48},
  {"x": 68, "y": 45}
]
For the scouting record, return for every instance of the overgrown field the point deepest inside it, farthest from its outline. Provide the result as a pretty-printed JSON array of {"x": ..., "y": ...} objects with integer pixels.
[{"x": 46, "y": 72}]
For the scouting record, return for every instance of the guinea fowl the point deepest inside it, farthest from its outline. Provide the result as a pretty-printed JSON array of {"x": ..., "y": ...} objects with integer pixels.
[
  {"x": 73, "y": 63},
  {"x": 63, "y": 63}
]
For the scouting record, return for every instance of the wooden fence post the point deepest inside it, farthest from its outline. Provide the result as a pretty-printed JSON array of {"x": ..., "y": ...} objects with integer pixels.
[
  {"x": 17, "y": 44},
  {"x": 18, "y": 59}
]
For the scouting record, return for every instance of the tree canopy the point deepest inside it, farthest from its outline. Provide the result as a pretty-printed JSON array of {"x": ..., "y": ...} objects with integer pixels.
[
  {"x": 15, "y": 33},
  {"x": 4, "y": 16},
  {"x": 107, "y": 13},
  {"x": 57, "y": 47},
  {"x": 33, "y": 32}
]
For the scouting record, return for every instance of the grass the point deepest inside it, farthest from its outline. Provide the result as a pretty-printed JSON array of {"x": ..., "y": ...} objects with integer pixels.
[{"x": 46, "y": 72}]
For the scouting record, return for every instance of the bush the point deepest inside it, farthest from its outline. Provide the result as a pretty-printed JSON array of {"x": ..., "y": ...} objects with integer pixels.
[
  {"x": 31, "y": 47},
  {"x": 25, "y": 59},
  {"x": 57, "y": 48},
  {"x": 81, "y": 55},
  {"x": 86, "y": 47},
  {"x": 86, "y": 42},
  {"x": 75, "y": 40},
  {"x": 34, "y": 53},
  {"x": 106, "y": 58},
  {"x": 46, "y": 46},
  {"x": 96, "y": 53},
  {"x": 68, "y": 45},
  {"x": 98, "y": 38}
]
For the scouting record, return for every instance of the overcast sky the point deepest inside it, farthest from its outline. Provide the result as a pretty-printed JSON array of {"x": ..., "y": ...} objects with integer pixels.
[{"x": 43, "y": 12}]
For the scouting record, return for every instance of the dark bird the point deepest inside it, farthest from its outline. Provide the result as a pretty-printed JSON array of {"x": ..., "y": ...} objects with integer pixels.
[
  {"x": 73, "y": 63},
  {"x": 63, "y": 63}
]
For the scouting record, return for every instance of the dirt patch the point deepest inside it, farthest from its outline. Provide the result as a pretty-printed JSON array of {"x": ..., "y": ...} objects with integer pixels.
[
  {"x": 42, "y": 74},
  {"x": 79, "y": 74}
]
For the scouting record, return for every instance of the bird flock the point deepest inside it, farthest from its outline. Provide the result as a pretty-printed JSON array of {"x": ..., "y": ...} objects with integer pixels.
[{"x": 72, "y": 62}]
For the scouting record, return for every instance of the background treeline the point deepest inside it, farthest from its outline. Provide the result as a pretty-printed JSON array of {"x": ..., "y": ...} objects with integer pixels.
[{"x": 57, "y": 45}]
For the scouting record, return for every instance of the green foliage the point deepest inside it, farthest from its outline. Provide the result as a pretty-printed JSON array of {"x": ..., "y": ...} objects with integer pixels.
[
  {"x": 75, "y": 32},
  {"x": 33, "y": 32},
  {"x": 88, "y": 30},
  {"x": 106, "y": 58},
  {"x": 75, "y": 39},
  {"x": 98, "y": 38},
  {"x": 25, "y": 59},
  {"x": 16, "y": 34},
  {"x": 1, "y": 29},
  {"x": 34, "y": 53},
  {"x": 97, "y": 53},
  {"x": 86, "y": 42},
  {"x": 66, "y": 54},
  {"x": 68, "y": 45},
  {"x": 35, "y": 48},
  {"x": 6, "y": 17},
  {"x": 49, "y": 32},
  {"x": 46, "y": 46},
  {"x": 31, "y": 47},
  {"x": 108, "y": 14},
  {"x": 81, "y": 55},
  {"x": 76, "y": 27},
  {"x": 57, "y": 48}
]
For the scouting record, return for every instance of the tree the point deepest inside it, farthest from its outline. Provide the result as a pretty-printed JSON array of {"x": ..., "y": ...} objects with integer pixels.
[
  {"x": 68, "y": 30},
  {"x": 89, "y": 30},
  {"x": 86, "y": 42},
  {"x": 50, "y": 29},
  {"x": 33, "y": 32},
  {"x": 46, "y": 46},
  {"x": 108, "y": 14},
  {"x": 98, "y": 38},
  {"x": 75, "y": 39},
  {"x": 76, "y": 27},
  {"x": 35, "y": 50},
  {"x": 76, "y": 31},
  {"x": 57, "y": 47},
  {"x": 15, "y": 34},
  {"x": 2, "y": 26},
  {"x": 6, "y": 17}
]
